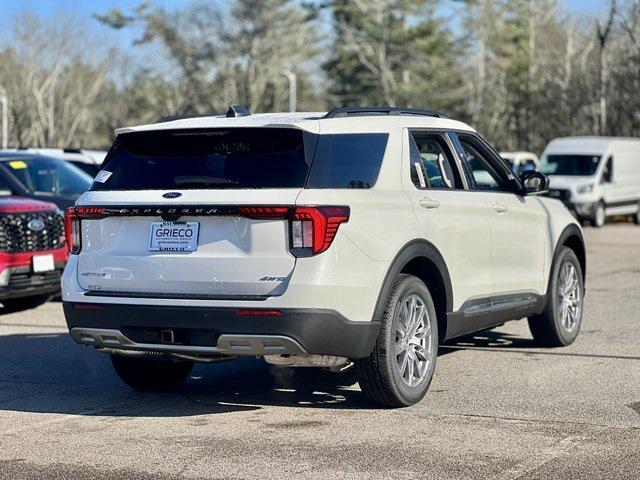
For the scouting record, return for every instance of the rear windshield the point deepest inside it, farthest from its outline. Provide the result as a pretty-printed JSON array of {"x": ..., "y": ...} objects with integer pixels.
[
  {"x": 241, "y": 158},
  {"x": 233, "y": 158}
]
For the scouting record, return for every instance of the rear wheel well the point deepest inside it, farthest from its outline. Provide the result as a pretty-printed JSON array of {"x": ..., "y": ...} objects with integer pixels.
[
  {"x": 430, "y": 274},
  {"x": 576, "y": 244}
]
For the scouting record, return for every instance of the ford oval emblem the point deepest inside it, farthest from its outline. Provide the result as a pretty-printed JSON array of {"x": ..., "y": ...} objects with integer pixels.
[
  {"x": 36, "y": 225},
  {"x": 172, "y": 195}
]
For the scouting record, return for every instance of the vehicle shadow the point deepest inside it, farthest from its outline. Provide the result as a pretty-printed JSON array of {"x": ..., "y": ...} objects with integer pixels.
[
  {"x": 48, "y": 373},
  {"x": 486, "y": 339}
]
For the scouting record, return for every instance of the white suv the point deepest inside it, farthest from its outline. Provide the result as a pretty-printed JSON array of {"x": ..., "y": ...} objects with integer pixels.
[{"x": 362, "y": 236}]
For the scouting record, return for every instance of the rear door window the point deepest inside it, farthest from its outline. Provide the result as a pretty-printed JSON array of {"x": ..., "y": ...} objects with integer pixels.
[
  {"x": 238, "y": 158},
  {"x": 432, "y": 164}
]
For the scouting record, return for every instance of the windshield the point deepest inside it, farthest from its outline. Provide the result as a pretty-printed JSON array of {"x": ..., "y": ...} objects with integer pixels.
[
  {"x": 48, "y": 175},
  {"x": 573, "y": 165}
]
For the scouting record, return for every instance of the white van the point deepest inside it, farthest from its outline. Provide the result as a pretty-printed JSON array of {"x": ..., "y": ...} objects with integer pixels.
[
  {"x": 521, "y": 162},
  {"x": 596, "y": 177}
]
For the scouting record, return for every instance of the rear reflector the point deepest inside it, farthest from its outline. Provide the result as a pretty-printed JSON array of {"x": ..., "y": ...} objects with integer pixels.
[
  {"x": 246, "y": 312},
  {"x": 87, "y": 306}
]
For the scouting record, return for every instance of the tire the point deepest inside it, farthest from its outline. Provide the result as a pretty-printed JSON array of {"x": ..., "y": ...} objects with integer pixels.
[
  {"x": 384, "y": 377},
  {"x": 551, "y": 328},
  {"x": 149, "y": 373},
  {"x": 24, "y": 303},
  {"x": 599, "y": 216},
  {"x": 636, "y": 217}
]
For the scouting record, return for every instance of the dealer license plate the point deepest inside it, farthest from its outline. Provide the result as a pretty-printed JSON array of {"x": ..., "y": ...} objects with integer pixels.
[{"x": 174, "y": 236}]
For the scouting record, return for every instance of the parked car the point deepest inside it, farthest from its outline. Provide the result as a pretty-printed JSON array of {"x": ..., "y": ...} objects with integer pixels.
[
  {"x": 32, "y": 251},
  {"x": 37, "y": 176},
  {"x": 596, "y": 177},
  {"x": 87, "y": 160},
  {"x": 521, "y": 162},
  {"x": 362, "y": 235}
]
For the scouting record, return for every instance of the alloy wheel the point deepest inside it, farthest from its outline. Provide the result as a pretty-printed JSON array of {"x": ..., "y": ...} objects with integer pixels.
[
  {"x": 413, "y": 342},
  {"x": 569, "y": 297}
]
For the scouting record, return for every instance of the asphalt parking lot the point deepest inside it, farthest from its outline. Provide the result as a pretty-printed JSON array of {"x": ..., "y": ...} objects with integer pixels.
[{"x": 498, "y": 407}]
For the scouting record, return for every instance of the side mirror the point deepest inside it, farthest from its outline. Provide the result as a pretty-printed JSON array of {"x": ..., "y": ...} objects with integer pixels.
[{"x": 535, "y": 183}]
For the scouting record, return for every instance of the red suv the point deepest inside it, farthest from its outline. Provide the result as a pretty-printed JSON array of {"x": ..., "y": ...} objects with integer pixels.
[{"x": 32, "y": 252}]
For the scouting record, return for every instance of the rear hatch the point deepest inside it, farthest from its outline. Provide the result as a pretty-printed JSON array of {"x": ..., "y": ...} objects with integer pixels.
[{"x": 194, "y": 213}]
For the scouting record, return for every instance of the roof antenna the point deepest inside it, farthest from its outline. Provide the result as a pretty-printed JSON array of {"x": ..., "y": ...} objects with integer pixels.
[{"x": 237, "y": 111}]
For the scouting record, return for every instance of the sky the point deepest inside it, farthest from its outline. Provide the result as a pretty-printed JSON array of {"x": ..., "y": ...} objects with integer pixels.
[{"x": 124, "y": 38}]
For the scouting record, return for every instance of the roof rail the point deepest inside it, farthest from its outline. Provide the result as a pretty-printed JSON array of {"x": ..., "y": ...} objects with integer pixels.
[{"x": 352, "y": 111}]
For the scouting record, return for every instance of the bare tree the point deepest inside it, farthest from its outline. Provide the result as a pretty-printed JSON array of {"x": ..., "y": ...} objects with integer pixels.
[{"x": 603, "y": 32}]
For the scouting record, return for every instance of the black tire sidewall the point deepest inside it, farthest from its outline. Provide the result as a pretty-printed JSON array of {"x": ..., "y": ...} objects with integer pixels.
[
  {"x": 410, "y": 395},
  {"x": 566, "y": 255},
  {"x": 594, "y": 221}
]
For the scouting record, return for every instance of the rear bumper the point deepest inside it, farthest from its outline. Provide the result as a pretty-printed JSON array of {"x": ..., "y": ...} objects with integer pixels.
[
  {"x": 206, "y": 330},
  {"x": 24, "y": 283}
]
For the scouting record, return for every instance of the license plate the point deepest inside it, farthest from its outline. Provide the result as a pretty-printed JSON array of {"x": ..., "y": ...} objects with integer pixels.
[
  {"x": 43, "y": 263},
  {"x": 174, "y": 236}
]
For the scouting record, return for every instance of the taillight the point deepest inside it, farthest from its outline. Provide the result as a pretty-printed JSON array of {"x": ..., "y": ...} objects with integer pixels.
[
  {"x": 314, "y": 228},
  {"x": 72, "y": 219},
  {"x": 72, "y": 230}
]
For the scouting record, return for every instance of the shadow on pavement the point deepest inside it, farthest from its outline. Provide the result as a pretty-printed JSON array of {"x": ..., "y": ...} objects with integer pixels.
[
  {"x": 48, "y": 373},
  {"x": 487, "y": 339}
]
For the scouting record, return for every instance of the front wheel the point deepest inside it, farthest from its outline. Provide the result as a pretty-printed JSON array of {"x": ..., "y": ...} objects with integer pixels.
[
  {"x": 149, "y": 373},
  {"x": 599, "y": 216},
  {"x": 399, "y": 370},
  {"x": 560, "y": 323},
  {"x": 636, "y": 217}
]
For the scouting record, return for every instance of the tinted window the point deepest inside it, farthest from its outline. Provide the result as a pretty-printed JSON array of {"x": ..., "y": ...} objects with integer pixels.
[
  {"x": 483, "y": 174},
  {"x": 213, "y": 159},
  {"x": 348, "y": 160},
  {"x": 432, "y": 163},
  {"x": 574, "y": 165},
  {"x": 88, "y": 168},
  {"x": 48, "y": 175},
  {"x": 527, "y": 166}
]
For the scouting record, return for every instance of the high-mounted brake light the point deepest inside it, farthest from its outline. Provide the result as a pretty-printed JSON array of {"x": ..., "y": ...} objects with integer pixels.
[
  {"x": 314, "y": 228},
  {"x": 72, "y": 230}
]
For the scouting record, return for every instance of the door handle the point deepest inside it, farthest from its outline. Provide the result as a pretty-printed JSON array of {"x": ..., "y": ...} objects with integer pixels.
[
  {"x": 500, "y": 208},
  {"x": 429, "y": 203}
]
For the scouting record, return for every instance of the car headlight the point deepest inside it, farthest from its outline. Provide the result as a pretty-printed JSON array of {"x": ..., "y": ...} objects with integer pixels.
[{"x": 585, "y": 188}]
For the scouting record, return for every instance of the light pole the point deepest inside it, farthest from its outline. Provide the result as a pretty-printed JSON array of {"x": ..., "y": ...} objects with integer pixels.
[
  {"x": 293, "y": 89},
  {"x": 4, "y": 101}
]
